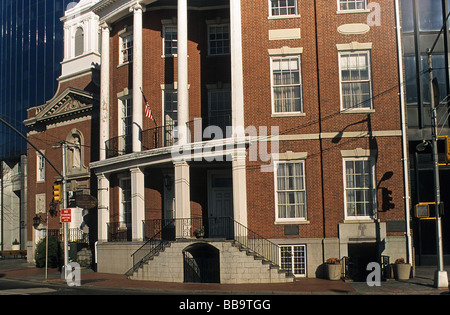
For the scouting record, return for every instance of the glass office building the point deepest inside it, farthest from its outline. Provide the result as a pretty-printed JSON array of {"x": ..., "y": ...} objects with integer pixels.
[
  {"x": 421, "y": 22},
  {"x": 31, "y": 49}
]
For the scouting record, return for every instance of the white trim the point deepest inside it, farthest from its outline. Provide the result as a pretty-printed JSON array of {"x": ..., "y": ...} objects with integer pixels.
[
  {"x": 270, "y": 16},
  {"x": 365, "y": 10},
  {"x": 40, "y": 172},
  {"x": 296, "y": 220},
  {"x": 292, "y": 113},
  {"x": 371, "y": 160},
  {"x": 354, "y": 46},
  {"x": 292, "y": 258},
  {"x": 356, "y": 110}
]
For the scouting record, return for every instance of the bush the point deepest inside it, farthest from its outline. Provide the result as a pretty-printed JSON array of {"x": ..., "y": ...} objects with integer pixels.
[{"x": 54, "y": 253}]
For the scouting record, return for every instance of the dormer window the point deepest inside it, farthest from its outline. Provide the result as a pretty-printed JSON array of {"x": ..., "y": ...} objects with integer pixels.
[{"x": 79, "y": 42}]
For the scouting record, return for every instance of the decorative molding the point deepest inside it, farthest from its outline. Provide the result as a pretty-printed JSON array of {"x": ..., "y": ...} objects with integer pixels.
[
  {"x": 354, "y": 46},
  {"x": 353, "y": 29}
]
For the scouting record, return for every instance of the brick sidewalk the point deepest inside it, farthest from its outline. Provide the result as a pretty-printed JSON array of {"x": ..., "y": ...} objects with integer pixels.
[{"x": 421, "y": 284}]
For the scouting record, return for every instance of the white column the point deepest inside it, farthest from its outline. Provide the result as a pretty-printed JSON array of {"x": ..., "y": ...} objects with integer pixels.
[
  {"x": 103, "y": 207},
  {"x": 182, "y": 196},
  {"x": 237, "y": 83},
  {"x": 137, "y": 204},
  {"x": 137, "y": 77},
  {"x": 104, "y": 91},
  {"x": 182, "y": 53},
  {"x": 237, "y": 112},
  {"x": 239, "y": 186}
]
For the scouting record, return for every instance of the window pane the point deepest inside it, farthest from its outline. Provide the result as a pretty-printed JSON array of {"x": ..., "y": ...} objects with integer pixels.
[
  {"x": 430, "y": 15},
  {"x": 407, "y": 16}
]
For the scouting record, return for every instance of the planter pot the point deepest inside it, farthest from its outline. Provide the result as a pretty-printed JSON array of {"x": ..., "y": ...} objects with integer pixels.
[
  {"x": 333, "y": 272},
  {"x": 15, "y": 247},
  {"x": 402, "y": 271}
]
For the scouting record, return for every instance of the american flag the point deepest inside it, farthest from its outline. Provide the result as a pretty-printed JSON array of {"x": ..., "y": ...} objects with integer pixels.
[{"x": 148, "y": 111}]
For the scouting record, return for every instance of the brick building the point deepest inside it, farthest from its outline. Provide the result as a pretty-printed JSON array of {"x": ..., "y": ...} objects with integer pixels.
[
  {"x": 310, "y": 167},
  {"x": 71, "y": 116}
]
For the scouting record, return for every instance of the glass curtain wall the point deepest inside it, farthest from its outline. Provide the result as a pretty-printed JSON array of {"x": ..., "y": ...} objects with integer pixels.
[{"x": 31, "y": 49}]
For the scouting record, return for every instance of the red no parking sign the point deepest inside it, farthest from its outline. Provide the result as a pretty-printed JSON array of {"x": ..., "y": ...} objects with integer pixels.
[{"x": 66, "y": 215}]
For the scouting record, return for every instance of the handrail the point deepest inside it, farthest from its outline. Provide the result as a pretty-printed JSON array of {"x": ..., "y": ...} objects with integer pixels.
[{"x": 228, "y": 228}]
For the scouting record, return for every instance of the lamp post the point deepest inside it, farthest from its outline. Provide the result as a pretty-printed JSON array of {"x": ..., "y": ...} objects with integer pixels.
[{"x": 440, "y": 275}]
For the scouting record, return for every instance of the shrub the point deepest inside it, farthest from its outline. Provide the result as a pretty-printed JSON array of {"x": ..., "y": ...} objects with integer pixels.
[{"x": 54, "y": 253}]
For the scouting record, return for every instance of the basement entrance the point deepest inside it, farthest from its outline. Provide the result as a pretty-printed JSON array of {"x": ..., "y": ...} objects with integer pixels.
[{"x": 201, "y": 263}]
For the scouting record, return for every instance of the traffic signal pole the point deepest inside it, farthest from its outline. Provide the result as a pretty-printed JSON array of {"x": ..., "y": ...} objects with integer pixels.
[
  {"x": 440, "y": 276},
  {"x": 63, "y": 146}
]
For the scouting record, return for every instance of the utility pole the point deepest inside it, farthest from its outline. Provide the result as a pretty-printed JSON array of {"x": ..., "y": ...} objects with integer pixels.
[{"x": 440, "y": 275}]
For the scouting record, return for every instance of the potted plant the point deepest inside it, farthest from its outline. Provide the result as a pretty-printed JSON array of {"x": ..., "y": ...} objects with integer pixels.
[
  {"x": 402, "y": 270},
  {"x": 333, "y": 268},
  {"x": 199, "y": 233},
  {"x": 15, "y": 245}
]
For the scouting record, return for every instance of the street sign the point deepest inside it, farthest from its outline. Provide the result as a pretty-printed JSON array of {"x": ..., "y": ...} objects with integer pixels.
[
  {"x": 86, "y": 201},
  {"x": 66, "y": 215}
]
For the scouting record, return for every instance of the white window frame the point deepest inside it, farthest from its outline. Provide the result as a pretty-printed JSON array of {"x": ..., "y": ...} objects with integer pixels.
[
  {"x": 125, "y": 54},
  {"x": 292, "y": 263},
  {"x": 123, "y": 103},
  {"x": 372, "y": 189},
  {"x": 369, "y": 81},
  {"x": 365, "y": 9},
  {"x": 40, "y": 167},
  {"x": 209, "y": 39},
  {"x": 124, "y": 223},
  {"x": 298, "y": 219},
  {"x": 169, "y": 132},
  {"x": 165, "y": 31},
  {"x": 280, "y": 16},
  {"x": 299, "y": 85}
]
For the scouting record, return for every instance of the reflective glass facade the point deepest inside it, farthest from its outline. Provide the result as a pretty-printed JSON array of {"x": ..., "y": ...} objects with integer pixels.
[{"x": 31, "y": 49}]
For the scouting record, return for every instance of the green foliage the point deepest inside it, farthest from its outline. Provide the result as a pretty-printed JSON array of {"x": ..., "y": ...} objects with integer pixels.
[{"x": 54, "y": 253}]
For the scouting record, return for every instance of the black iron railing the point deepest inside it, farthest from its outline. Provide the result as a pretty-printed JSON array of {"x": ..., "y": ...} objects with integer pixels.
[
  {"x": 219, "y": 128},
  {"x": 117, "y": 146},
  {"x": 74, "y": 235},
  {"x": 167, "y": 230},
  {"x": 158, "y": 137},
  {"x": 119, "y": 232}
]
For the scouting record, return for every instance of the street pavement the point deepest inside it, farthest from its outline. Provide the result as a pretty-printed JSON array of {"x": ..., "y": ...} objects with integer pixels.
[{"x": 420, "y": 284}]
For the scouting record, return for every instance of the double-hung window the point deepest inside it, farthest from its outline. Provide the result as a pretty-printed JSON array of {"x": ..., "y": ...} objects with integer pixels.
[
  {"x": 290, "y": 191},
  {"x": 126, "y": 48},
  {"x": 40, "y": 169},
  {"x": 359, "y": 186},
  {"x": 286, "y": 85},
  {"x": 293, "y": 259},
  {"x": 352, "y": 5},
  {"x": 170, "y": 116},
  {"x": 219, "y": 39},
  {"x": 170, "y": 40},
  {"x": 283, "y": 8},
  {"x": 355, "y": 77},
  {"x": 125, "y": 202},
  {"x": 125, "y": 125}
]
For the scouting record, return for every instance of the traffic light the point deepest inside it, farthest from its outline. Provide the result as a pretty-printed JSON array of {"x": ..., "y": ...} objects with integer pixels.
[
  {"x": 57, "y": 192},
  {"x": 387, "y": 199},
  {"x": 444, "y": 149}
]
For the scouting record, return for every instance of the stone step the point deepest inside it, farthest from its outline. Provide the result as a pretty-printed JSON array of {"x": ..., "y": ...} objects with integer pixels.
[{"x": 236, "y": 265}]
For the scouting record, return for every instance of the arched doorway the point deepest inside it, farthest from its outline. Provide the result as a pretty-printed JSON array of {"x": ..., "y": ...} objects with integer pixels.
[{"x": 201, "y": 263}]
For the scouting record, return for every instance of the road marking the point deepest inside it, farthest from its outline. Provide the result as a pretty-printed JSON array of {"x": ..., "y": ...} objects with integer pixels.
[{"x": 27, "y": 291}]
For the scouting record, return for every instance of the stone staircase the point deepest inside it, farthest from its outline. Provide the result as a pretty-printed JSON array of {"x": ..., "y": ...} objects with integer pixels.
[{"x": 238, "y": 264}]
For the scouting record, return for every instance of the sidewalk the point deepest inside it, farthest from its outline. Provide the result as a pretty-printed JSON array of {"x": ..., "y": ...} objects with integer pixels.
[{"x": 421, "y": 284}]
